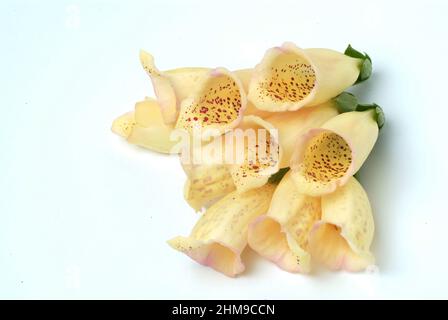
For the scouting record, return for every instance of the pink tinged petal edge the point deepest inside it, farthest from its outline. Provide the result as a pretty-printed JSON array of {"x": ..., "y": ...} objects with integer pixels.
[
  {"x": 209, "y": 261},
  {"x": 344, "y": 261}
]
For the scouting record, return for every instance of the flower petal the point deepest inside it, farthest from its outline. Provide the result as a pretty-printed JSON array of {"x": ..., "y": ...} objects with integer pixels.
[
  {"x": 282, "y": 234},
  {"x": 262, "y": 154},
  {"x": 124, "y": 124},
  {"x": 206, "y": 183},
  {"x": 292, "y": 124},
  {"x": 289, "y": 78},
  {"x": 217, "y": 103},
  {"x": 327, "y": 157},
  {"x": 341, "y": 240},
  {"x": 220, "y": 235},
  {"x": 150, "y": 131},
  {"x": 172, "y": 86}
]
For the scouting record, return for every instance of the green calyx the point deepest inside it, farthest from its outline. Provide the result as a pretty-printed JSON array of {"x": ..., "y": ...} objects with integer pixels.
[
  {"x": 347, "y": 102},
  {"x": 366, "y": 66},
  {"x": 278, "y": 176}
]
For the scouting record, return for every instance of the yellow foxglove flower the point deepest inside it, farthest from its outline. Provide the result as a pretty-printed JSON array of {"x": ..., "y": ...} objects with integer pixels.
[
  {"x": 281, "y": 235},
  {"x": 291, "y": 125},
  {"x": 326, "y": 157},
  {"x": 251, "y": 153},
  {"x": 341, "y": 240},
  {"x": 289, "y": 78},
  {"x": 171, "y": 87},
  {"x": 206, "y": 183},
  {"x": 220, "y": 235}
]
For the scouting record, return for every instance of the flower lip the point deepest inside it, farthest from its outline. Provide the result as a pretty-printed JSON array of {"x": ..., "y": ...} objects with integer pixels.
[
  {"x": 237, "y": 265},
  {"x": 162, "y": 88},
  {"x": 341, "y": 174}
]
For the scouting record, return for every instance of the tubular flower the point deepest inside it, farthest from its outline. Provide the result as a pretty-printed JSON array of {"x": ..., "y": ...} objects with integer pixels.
[
  {"x": 206, "y": 183},
  {"x": 171, "y": 87},
  {"x": 291, "y": 125},
  {"x": 145, "y": 127},
  {"x": 289, "y": 78},
  {"x": 251, "y": 152},
  {"x": 326, "y": 157},
  {"x": 220, "y": 235},
  {"x": 281, "y": 235},
  {"x": 218, "y": 102},
  {"x": 341, "y": 240}
]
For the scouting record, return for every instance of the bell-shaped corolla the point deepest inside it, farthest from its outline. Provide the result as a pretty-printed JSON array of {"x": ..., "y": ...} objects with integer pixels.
[
  {"x": 281, "y": 235},
  {"x": 145, "y": 127},
  {"x": 326, "y": 157},
  {"x": 220, "y": 235},
  {"x": 289, "y": 78},
  {"x": 251, "y": 152},
  {"x": 342, "y": 238},
  {"x": 291, "y": 125},
  {"x": 215, "y": 106}
]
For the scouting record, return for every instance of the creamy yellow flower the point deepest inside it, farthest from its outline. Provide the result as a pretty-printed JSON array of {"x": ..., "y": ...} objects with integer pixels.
[
  {"x": 326, "y": 157},
  {"x": 220, "y": 235},
  {"x": 289, "y": 78}
]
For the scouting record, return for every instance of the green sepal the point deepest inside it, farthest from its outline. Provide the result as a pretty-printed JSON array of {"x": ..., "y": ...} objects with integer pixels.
[
  {"x": 347, "y": 102},
  {"x": 278, "y": 176},
  {"x": 366, "y": 66}
]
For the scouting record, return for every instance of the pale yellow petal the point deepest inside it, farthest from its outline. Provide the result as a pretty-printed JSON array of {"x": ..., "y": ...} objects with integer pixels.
[
  {"x": 292, "y": 124},
  {"x": 342, "y": 239},
  {"x": 262, "y": 154},
  {"x": 124, "y": 124},
  {"x": 282, "y": 234},
  {"x": 218, "y": 103},
  {"x": 206, "y": 184},
  {"x": 150, "y": 130}
]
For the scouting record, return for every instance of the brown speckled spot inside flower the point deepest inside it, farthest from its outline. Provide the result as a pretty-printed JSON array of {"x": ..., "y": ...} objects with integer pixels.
[
  {"x": 327, "y": 158},
  {"x": 290, "y": 78},
  {"x": 218, "y": 103},
  {"x": 257, "y": 160}
]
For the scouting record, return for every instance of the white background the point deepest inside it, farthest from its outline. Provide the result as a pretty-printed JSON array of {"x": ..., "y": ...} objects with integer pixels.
[{"x": 85, "y": 215}]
